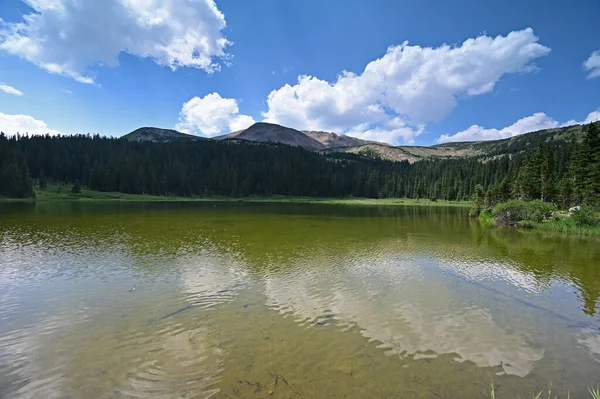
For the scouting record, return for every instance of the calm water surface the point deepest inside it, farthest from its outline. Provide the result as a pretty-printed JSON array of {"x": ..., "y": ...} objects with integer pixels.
[{"x": 171, "y": 300}]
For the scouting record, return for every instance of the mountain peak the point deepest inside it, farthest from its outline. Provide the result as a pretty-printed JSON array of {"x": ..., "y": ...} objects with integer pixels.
[
  {"x": 158, "y": 135},
  {"x": 272, "y": 133}
]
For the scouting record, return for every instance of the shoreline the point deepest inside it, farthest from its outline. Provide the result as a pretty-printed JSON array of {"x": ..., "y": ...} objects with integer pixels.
[{"x": 97, "y": 196}]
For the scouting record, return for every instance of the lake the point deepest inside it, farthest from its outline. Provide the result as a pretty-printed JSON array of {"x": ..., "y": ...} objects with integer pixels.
[{"x": 199, "y": 300}]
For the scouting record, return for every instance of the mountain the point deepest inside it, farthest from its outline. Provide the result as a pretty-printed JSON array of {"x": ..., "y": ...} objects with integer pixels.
[
  {"x": 332, "y": 140},
  {"x": 269, "y": 132},
  {"x": 482, "y": 149},
  {"x": 404, "y": 153},
  {"x": 157, "y": 135},
  {"x": 327, "y": 142},
  {"x": 513, "y": 145}
]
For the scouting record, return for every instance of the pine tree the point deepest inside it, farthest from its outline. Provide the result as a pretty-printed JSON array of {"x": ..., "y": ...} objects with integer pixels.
[
  {"x": 42, "y": 182},
  {"x": 76, "y": 187},
  {"x": 478, "y": 200}
]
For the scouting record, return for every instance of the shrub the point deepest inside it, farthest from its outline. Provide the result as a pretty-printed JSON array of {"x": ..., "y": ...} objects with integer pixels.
[
  {"x": 526, "y": 224},
  {"x": 486, "y": 219},
  {"x": 585, "y": 216},
  {"x": 512, "y": 212}
]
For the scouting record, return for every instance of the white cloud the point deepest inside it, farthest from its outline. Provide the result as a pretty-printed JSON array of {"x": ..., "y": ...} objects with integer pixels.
[
  {"x": 593, "y": 116},
  {"x": 537, "y": 121},
  {"x": 24, "y": 124},
  {"x": 413, "y": 83},
  {"x": 212, "y": 115},
  {"x": 393, "y": 131},
  {"x": 592, "y": 64},
  {"x": 10, "y": 90},
  {"x": 69, "y": 37},
  {"x": 67, "y": 91}
]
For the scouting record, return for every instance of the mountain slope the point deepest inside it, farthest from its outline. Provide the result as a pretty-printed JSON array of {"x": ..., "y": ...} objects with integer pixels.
[
  {"x": 518, "y": 143},
  {"x": 333, "y": 140},
  {"x": 404, "y": 153},
  {"x": 269, "y": 132},
  {"x": 481, "y": 149},
  {"x": 157, "y": 135},
  {"x": 330, "y": 142}
]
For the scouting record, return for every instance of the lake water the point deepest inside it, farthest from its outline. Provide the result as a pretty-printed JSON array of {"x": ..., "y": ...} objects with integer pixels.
[{"x": 114, "y": 300}]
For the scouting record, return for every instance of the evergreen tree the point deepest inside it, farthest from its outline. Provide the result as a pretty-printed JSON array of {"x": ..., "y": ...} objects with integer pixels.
[
  {"x": 76, "y": 187},
  {"x": 478, "y": 200},
  {"x": 561, "y": 171},
  {"x": 42, "y": 182}
]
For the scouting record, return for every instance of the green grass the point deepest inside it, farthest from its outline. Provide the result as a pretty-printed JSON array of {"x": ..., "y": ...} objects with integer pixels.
[
  {"x": 62, "y": 192},
  {"x": 543, "y": 217},
  {"x": 567, "y": 225},
  {"x": 595, "y": 392}
]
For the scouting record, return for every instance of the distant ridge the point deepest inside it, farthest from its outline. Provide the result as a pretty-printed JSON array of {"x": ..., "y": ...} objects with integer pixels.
[
  {"x": 327, "y": 142},
  {"x": 333, "y": 140},
  {"x": 272, "y": 133},
  {"x": 157, "y": 135}
]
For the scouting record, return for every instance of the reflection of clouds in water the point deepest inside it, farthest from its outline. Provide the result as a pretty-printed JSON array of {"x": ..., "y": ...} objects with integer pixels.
[
  {"x": 32, "y": 367},
  {"x": 478, "y": 270},
  {"x": 211, "y": 278},
  {"x": 590, "y": 338},
  {"x": 40, "y": 359},
  {"x": 410, "y": 315},
  {"x": 471, "y": 333},
  {"x": 186, "y": 361},
  {"x": 185, "y": 365}
]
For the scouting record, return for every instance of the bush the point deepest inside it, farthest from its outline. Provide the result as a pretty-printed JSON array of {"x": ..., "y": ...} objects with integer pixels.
[
  {"x": 585, "y": 216},
  {"x": 526, "y": 224},
  {"x": 486, "y": 219},
  {"x": 512, "y": 212}
]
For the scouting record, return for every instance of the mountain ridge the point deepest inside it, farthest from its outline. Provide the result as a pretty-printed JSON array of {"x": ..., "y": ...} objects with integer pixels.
[{"x": 328, "y": 142}]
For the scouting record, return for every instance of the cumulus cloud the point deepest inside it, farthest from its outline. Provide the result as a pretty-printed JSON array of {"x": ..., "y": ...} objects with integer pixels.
[
  {"x": 393, "y": 131},
  {"x": 592, "y": 65},
  {"x": 537, "y": 121},
  {"x": 212, "y": 115},
  {"x": 10, "y": 90},
  {"x": 593, "y": 116},
  {"x": 24, "y": 124},
  {"x": 70, "y": 37},
  {"x": 415, "y": 84}
]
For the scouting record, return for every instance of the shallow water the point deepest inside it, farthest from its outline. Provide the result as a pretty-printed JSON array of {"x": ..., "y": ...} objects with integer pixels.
[{"x": 111, "y": 300}]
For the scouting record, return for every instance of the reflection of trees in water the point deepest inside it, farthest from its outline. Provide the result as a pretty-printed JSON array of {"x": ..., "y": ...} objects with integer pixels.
[
  {"x": 268, "y": 237},
  {"x": 548, "y": 257}
]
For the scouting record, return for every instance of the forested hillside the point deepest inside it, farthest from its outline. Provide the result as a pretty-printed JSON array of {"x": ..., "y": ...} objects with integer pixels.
[{"x": 564, "y": 170}]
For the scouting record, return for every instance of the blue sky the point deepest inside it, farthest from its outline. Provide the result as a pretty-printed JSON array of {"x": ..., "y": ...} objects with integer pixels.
[{"x": 417, "y": 72}]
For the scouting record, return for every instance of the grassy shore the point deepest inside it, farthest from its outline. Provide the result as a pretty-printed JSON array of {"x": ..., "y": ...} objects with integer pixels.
[
  {"x": 542, "y": 216},
  {"x": 594, "y": 393},
  {"x": 62, "y": 192}
]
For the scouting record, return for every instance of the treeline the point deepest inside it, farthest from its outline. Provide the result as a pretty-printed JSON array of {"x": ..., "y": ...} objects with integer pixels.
[
  {"x": 553, "y": 171},
  {"x": 558, "y": 172},
  {"x": 15, "y": 180}
]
